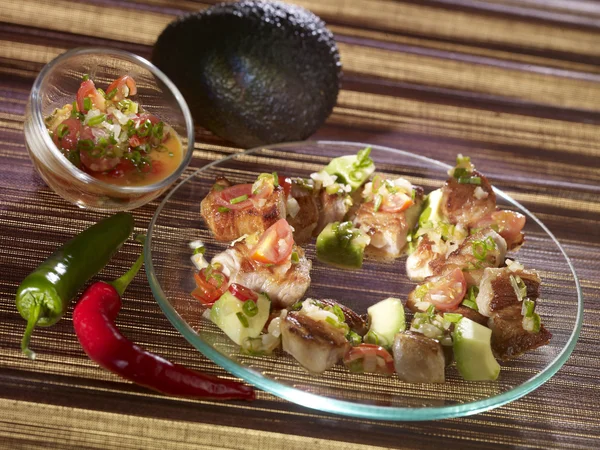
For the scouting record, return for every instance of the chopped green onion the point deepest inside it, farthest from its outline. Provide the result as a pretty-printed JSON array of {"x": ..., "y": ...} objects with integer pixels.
[
  {"x": 112, "y": 139},
  {"x": 144, "y": 129},
  {"x": 87, "y": 104},
  {"x": 332, "y": 321},
  {"x": 470, "y": 180},
  {"x": 295, "y": 258},
  {"x": 518, "y": 286},
  {"x": 338, "y": 313},
  {"x": 85, "y": 77},
  {"x": 250, "y": 308},
  {"x": 223, "y": 209},
  {"x": 489, "y": 242},
  {"x": 377, "y": 202},
  {"x": 157, "y": 130},
  {"x": 111, "y": 94},
  {"x": 275, "y": 179},
  {"x": 332, "y": 188},
  {"x": 97, "y": 120},
  {"x": 460, "y": 160},
  {"x": 452, "y": 317},
  {"x": 460, "y": 172},
  {"x": 472, "y": 293},
  {"x": 243, "y": 319},
  {"x": 528, "y": 308},
  {"x": 239, "y": 199},
  {"x": 362, "y": 158},
  {"x": 85, "y": 144},
  {"x": 200, "y": 250},
  {"x": 532, "y": 324},
  {"x": 372, "y": 338},
  {"x": 421, "y": 290},
  {"x": 479, "y": 250},
  {"x": 296, "y": 306},
  {"x": 62, "y": 130},
  {"x": 217, "y": 187},
  {"x": 470, "y": 304},
  {"x": 353, "y": 338},
  {"x": 430, "y": 311}
]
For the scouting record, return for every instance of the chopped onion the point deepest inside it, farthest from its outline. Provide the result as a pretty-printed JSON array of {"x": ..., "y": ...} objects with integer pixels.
[
  {"x": 514, "y": 266},
  {"x": 293, "y": 208},
  {"x": 480, "y": 193}
]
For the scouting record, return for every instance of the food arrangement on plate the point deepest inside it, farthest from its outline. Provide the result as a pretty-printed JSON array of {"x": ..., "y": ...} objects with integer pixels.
[{"x": 472, "y": 304}]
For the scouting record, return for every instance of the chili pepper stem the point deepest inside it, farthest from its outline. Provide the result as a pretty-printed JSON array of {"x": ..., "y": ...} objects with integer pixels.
[
  {"x": 121, "y": 283},
  {"x": 34, "y": 315}
]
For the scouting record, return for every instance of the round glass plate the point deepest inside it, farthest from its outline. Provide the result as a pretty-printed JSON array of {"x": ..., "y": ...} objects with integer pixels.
[{"x": 177, "y": 222}]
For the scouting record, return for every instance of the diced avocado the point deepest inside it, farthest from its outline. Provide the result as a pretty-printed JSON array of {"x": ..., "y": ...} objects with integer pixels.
[
  {"x": 386, "y": 318},
  {"x": 353, "y": 170},
  {"x": 342, "y": 245},
  {"x": 228, "y": 314},
  {"x": 473, "y": 351},
  {"x": 431, "y": 210}
]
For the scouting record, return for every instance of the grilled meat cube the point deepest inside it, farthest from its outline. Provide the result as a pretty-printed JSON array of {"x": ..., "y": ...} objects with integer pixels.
[
  {"x": 356, "y": 323},
  {"x": 467, "y": 204},
  {"x": 305, "y": 219},
  {"x": 332, "y": 208},
  {"x": 496, "y": 290},
  {"x": 418, "y": 359},
  {"x": 285, "y": 284},
  {"x": 315, "y": 344},
  {"x": 509, "y": 338},
  {"x": 229, "y": 221},
  {"x": 388, "y": 230},
  {"x": 419, "y": 262},
  {"x": 486, "y": 248}
]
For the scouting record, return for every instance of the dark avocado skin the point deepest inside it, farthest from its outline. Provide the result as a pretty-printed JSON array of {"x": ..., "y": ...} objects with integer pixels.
[{"x": 253, "y": 72}]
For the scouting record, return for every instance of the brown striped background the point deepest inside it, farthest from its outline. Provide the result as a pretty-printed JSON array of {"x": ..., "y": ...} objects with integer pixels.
[{"x": 515, "y": 84}]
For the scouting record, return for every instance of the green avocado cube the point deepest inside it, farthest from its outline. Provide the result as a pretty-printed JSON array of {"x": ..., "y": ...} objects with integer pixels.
[{"x": 342, "y": 245}]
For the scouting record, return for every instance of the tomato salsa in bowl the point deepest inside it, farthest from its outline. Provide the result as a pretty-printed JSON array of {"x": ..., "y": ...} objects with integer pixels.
[{"x": 106, "y": 129}]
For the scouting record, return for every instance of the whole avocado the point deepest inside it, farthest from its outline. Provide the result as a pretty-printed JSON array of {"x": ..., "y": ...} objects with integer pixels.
[{"x": 253, "y": 72}]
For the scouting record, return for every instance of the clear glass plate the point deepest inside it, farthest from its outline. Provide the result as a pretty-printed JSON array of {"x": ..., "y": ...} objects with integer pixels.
[{"x": 177, "y": 222}]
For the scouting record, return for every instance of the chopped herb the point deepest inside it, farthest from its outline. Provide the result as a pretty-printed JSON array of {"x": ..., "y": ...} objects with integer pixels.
[
  {"x": 243, "y": 319},
  {"x": 144, "y": 129},
  {"x": 200, "y": 250},
  {"x": 97, "y": 120},
  {"x": 250, "y": 308},
  {"x": 528, "y": 308},
  {"x": 470, "y": 180},
  {"x": 353, "y": 338},
  {"x": 470, "y": 304},
  {"x": 223, "y": 209},
  {"x": 275, "y": 179},
  {"x": 87, "y": 104},
  {"x": 452, "y": 317},
  {"x": 62, "y": 130},
  {"x": 295, "y": 258},
  {"x": 85, "y": 77},
  {"x": 111, "y": 94},
  {"x": 239, "y": 199},
  {"x": 377, "y": 202}
]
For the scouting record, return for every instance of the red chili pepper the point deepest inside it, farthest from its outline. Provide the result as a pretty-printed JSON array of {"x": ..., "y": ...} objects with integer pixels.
[{"x": 93, "y": 319}]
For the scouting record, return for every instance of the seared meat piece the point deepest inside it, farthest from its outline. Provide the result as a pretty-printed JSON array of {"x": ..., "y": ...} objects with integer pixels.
[
  {"x": 509, "y": 339},
  {"x": 285, "y": 284},
  {"x": 332, "y": 208},
  {"x": 509, "y": 225},
  {"x": 305, "y": 218},
  {"x": 470, "y": 313},
  {"x": 419, "y": 262},
  {"x": 486, "y": 248},
  {"x": 496, "y": 290},
  {"x": 418, "y": 359},
  {"x": 467, "y": 204},
  {"x": 315, "y": 344},
  {"x": 388, "y": 230},
  {"x": 228, "y": 221},
  {"x": 354, "y": 321}
]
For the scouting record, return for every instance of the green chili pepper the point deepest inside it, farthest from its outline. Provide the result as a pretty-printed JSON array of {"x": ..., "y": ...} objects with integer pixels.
[{"x": 44, "y": 295}]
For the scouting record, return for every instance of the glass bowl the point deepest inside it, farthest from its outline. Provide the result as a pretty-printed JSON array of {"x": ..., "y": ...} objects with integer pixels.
[
  {"x": 177, "y": 222},
  {"x": 57, "y": 85}
]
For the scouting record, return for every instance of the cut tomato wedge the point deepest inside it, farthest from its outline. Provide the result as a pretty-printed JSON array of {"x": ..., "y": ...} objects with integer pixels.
[
  {"x": 275, "y": 245},
  {"x": 122, "y": 87},
  {"x": 242, "y": 292},
  {"x": 397, "y": 202},
  {"x": 211, "y": 284},
  {"x": 66, "y": 134},
  {"x": 369, "y": 358},
  {"x": 88, "y": 90},
  {"x": 236, "y": 194},
  {"x": 447, "y": 291}
]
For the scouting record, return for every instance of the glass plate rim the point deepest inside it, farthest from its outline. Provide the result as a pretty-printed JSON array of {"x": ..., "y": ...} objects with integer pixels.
[{"x": 343, "y": 407}]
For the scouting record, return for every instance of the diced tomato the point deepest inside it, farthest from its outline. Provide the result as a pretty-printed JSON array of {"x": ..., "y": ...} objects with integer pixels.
[
  {"x": 275, "y": 245},
  {"x": 209, "y": 288},
  {"x": 446, "y": 291},
  {"x": 124, "y": 167},
  {"x": 70, "y": 134},
  {"x": 136, "y": 141},
  {"x": 369, "y": 358},
  {"x": 397, "y": 202},
  {"x": 242, "y": 292},
  {"x": 88, "y": 90},
  {"x": 145, "y": 116},
  {"x": 125, "y": 86},
  {"x": 157, "y": 167},
  {"x": 98, "y": 163},
  {"x": 286, "y": 184},
  {"x": 235, "y": 192}
]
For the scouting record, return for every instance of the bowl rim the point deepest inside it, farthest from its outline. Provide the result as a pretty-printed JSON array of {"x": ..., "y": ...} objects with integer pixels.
[
  {"x": 38, "y": 120},
  {"x": 344, "y": 407}
]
